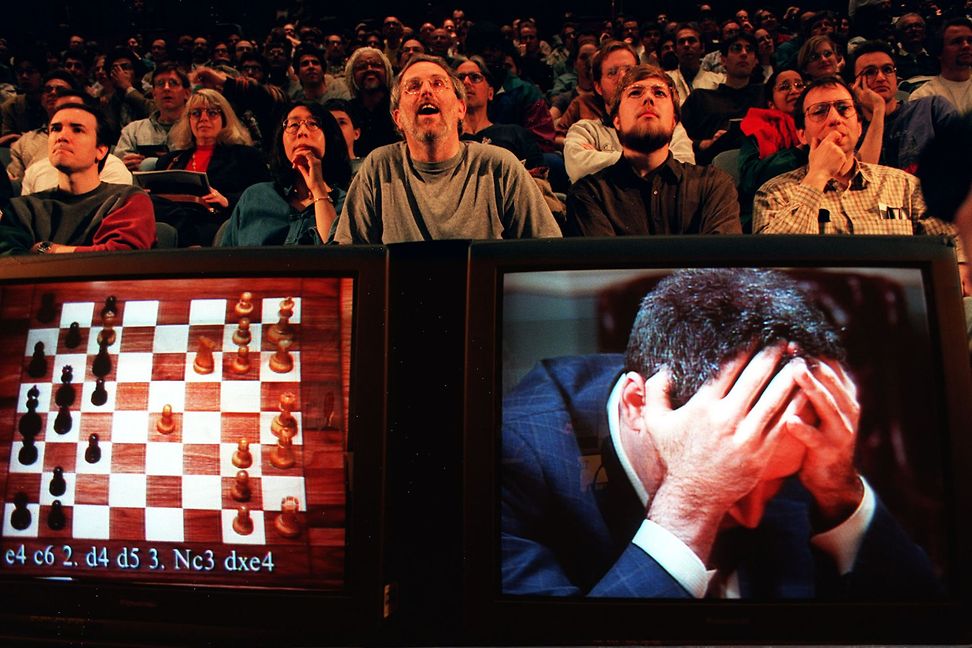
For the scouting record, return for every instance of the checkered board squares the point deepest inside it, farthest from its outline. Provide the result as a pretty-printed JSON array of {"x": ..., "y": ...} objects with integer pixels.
[{"x": 149, "y": 486}]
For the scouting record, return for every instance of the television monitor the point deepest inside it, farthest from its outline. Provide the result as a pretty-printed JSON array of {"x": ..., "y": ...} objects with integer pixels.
[
  {"x": 556, "y": 543},
  {"x": 189, "y": 447}
]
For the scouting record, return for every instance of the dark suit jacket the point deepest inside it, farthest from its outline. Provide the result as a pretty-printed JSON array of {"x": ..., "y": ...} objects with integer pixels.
[
  {"x": 232, "y": 169},
  {"x": 562, "y": 538}
]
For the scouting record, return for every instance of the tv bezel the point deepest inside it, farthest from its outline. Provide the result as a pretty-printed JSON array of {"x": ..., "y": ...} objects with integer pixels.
[
  {"x": 493, "y": 617},
  {"x": 121, "y": 609}
]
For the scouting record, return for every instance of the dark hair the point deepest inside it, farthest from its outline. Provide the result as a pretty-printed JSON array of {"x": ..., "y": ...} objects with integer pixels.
[
  {"x": 168, "y": 67},
  {"x": 103, "y": 130},
  {"x": 867, "y": 47},
  {"x": 607, "y": 48},
  {"x": 823, "y": 82},
  {"x": 124, "y": 53},
  {"x": 944, "y": 169},
  {"x": 937, "y": 44},
  {"x": 334, "y": 166},
  {"x": 770, "y": 84},
  {"x": 742, "y": 35},
  {"x": 307, "y": 49},
  {"x": 694, "y": 26},
  {"x": 63, "y": 75},
  {"x": 345, "y": 106},
  {"x": 252, "y": 57},
  {"x": 696, "y": 320}
]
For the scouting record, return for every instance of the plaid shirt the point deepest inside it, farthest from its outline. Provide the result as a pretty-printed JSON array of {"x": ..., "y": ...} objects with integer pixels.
[{"x": 879, "y": 200}]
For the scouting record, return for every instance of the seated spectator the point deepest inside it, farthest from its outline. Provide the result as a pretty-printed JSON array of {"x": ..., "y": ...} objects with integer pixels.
[
  {"x": 835, "y": 193},
  {"x": 689, "y": 75},
  {"x": 41, "y": 175},
  {"x": 608, "y": 65},
  {"x": 476, "y": 126},
  {"x": 150, "y": 137},
  {"x": 368, "y": 75},
  {"x": 593, "y": 144},
  {"x": 315, "y": 84},
  {"x": 647, "y": 191},
  {"x": 32, "y": 145},
  {"x": 81, "y": 213},
  {"x": 532, "y": 64},
  {"x": 770, "y": 144},
  {"x": 515, "y": 101},
  {"x": 712, "y": 117},
  {"x": 25, "y": 112},
  {"x": 910, "y": 57},
  {"x": 209, "y": 139},
  {"x": 309, "y": 165},
  {"x": 433, "y": 185},
  {"x": 953, "y": 47},
  {"x": 819, "y": 57},
  {"x": 902, "y": 127},
  {"x": 409, "y": 47},
  {"x": 347, "y": 120},
  {"x": 121, "y": 101},
  {"x": 578, "y": 81}
]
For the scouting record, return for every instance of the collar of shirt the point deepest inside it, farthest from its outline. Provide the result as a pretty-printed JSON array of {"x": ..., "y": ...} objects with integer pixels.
[
  {"x": 669, "y": 171},
  {"x": 614, "y": 425},
  {"x": 860, "y": 179}
]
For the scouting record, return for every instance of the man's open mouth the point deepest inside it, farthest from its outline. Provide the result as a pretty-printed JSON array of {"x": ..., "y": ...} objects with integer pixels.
[{"x": 428, "y": 109}]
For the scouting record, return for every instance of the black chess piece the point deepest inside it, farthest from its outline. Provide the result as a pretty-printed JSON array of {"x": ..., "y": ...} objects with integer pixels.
[
  {"x": 48, "y": 311},
  {"x": 28, "y": 452},
  {"x": 38, "y": 362},
  {"x": 63, "y": 422},
  {"x": 30, "y": 423},
  {"x": 55, "y": 517},
  {"x": 58, "y": 485},
  {"x": 20, "y": 518},
  {"x": 73, "y": 338},
  {"x": 101, "y": 366},
  {"x": 65, "y": 393},
  {"x": 93, "y": 453},
  {"x": 100, "y": 395},
  {"x": 111, "y": 306}
]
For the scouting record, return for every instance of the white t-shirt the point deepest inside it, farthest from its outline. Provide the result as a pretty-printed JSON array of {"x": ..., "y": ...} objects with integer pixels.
[{"x": 42, "y": 175}]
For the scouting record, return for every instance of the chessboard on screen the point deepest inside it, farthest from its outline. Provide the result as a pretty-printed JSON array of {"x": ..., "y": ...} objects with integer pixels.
[{"x": 176, "y": 431}]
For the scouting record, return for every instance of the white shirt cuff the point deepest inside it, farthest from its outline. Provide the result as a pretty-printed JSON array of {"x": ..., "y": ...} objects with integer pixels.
[
  {"x": 674, "y": 556},
  {"x": 844, "y": 541}
]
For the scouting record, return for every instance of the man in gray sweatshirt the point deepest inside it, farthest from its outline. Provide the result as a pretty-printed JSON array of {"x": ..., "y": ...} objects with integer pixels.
[{"x": 434, "y": 186}]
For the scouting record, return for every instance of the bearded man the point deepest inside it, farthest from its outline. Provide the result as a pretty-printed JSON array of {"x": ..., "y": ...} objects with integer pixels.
[{"x": 648, "y": 191}]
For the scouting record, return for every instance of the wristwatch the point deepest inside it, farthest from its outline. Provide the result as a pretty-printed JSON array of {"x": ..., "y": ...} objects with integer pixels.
[{"x": 45, "y": 247}]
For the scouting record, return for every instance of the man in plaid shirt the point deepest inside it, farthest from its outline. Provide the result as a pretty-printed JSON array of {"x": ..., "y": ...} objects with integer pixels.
[{"x": 835, "y": 193}]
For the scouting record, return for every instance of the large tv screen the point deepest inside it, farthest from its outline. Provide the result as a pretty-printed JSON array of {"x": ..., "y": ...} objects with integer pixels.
[
  {"x": 726, "y": 445},
  {"x": 187, "y": 428}
]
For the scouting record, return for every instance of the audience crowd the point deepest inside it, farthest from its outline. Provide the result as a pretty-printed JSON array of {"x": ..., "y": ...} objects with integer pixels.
[{"x": 769, "y": 119}]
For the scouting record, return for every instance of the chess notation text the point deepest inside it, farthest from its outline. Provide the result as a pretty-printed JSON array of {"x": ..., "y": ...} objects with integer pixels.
[{"x": 134, "y": 558}]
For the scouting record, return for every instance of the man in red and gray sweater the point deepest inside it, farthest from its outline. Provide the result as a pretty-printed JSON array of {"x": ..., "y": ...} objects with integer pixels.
[{"x": 82, "y": 214}]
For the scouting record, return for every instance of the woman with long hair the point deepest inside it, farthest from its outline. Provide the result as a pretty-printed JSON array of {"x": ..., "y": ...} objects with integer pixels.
[
  {"x": 209, "y": 138},
  {"x": 310, "y": 167}
]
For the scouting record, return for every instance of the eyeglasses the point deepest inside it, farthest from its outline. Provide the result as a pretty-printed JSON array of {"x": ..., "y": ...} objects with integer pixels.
[
  {"x": 872, "y": 71},
  {"x": 638, "y": 91},
  {"x": 437, "y": 83},
  {"x": 212, "y": 113},
  {"x": 474, "y": 77},
  {"x": 617, "y": 71},
  {"x": 826, "y": 54},
  {"x": 168, "y": 83},
  {"x": 51, "y": 89},
  {"x": 819, "y": 111},
  {"x": 368, "y": 65},
  {"x": 786, "y": 86},
  {"x": 291, "y": 126}
]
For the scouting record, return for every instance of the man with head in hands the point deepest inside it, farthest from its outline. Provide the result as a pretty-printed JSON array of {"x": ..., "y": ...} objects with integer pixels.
[
  {"x": 727, "y": 434},
  {"x": 433, "y": 185}
]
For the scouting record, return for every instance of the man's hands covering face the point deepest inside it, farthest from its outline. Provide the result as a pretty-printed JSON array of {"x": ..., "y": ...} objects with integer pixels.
[
  {"x": 715, "y": 447},
  {"x": 828, "y": 428}
]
